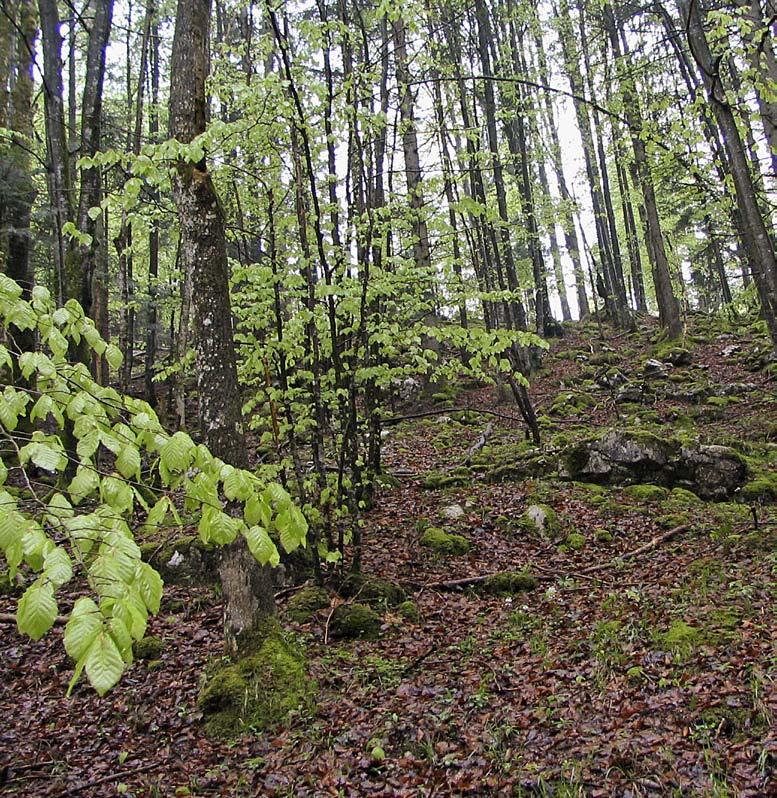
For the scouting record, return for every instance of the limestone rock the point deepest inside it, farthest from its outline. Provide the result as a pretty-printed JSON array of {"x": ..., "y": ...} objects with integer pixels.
[{"x": 453, "y": 512}]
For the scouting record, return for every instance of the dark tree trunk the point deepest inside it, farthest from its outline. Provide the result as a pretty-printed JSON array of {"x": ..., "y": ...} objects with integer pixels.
[{"x": 247, "y": 586}]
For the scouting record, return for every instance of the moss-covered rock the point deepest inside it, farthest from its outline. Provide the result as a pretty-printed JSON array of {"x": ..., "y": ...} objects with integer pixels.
[
  {"x": 718, "y": 401},
  {"x": 509, "y": 583},
  {"x": 603, "y": 535},
  {"x": 437, "y": 480},
  {"x": 671, "y": 353},
  {"x": 575, "y": 541},
  {"x": 540, "y": 518},
  {"x": 149, "y": 648},
  {"x": 646, "y": 493},
  {"x": 353, "y": 621},
  {"x": 303, "y": 605},
  {"x": 682, "y": 496},
  {"x": 569, "y": 404},
  {"x": 372, "y": 590},
  {"x": 258, "y": 691},
  {"x": 444, "y": 542},
  {"x": 672, "y": 520},
  {"x": 409, "y": 611},
  {"x": 762, "y": 488}
]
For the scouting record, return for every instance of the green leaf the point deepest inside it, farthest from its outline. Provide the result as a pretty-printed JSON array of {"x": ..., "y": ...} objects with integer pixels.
[
  {"x": 217, "y": 527},
  {"x": 150, "y": 586},
  {"x": 104, "y": 664},
  {"x": 84, "y": 483},
  {"x": 261, "y": 546},
  {"x": 258, "y": 512},
  {"x": 94, "y": 213},
  {"x": 178, "y": 453},
  {"x": 120, "y": 633},
  {"x": 82, "y": 627},
  {"x": 114, "y": 356},
  {"x": 57, "y": 567},
  {"x": 292, "y": 527},
  {"x": 238, "y": 484},
  {"x": 37, "y": 610},
  {"x": 117, "y": 494},
  {"x": 128, "y": 462}
]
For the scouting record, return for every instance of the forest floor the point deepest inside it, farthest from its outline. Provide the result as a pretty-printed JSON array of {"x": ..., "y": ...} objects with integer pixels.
[{"x": 645, "y": 675}]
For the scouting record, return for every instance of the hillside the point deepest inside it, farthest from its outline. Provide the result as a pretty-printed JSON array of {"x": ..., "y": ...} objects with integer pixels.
[{"x": 627, "y": 649}]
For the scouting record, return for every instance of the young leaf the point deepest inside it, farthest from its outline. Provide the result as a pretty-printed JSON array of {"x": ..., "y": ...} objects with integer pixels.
[
  {"x": 261, "y": 546},
  {"x": 82, "y": 627},
  {"x": 104, "y": 664},
  {"x": 37, "y": 610}
]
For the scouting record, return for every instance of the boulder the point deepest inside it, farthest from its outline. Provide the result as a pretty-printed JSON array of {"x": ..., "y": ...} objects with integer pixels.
[
  {"x": 655, "y": 368},
  {"x": 453, "y": 512},
  {"x": 621, "y": 457}
]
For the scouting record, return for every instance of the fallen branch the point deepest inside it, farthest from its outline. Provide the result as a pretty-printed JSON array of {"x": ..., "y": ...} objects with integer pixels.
[
  {"x": 10, "y": 617},
  {"x": 110, "y": 777},
  {"x": 630, "y": 555},
  {"x": 387, "y": 422},
  {"x": 479, "y": 443}
]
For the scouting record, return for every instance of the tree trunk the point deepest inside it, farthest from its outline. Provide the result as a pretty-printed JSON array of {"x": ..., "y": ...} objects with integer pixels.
[
  {"x": 247, "y": 586},
  {"x": 755, "y": 235}
]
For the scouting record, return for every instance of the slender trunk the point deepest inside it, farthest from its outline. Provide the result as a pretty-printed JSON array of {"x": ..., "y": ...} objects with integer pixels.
[{"x": 247, "y": 586}]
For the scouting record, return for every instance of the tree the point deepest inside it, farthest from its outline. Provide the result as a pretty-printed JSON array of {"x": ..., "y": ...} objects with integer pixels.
[{"x": 247, "y": 586}]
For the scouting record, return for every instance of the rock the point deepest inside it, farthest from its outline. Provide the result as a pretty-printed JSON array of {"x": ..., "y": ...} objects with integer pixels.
[
  {"x": 453, "y": 512},
  {"x": 762, "y": 489},
  {"x": 540, "y": 518},
  {"x": 443, "y": 542},
  {"x": 677, "y": 356},
  {"x": 303, "y": 605},
  {"x": 655, "y": 368},
  {"x": 738, "y": 389},
  {"x": 508, "y": 583},
  {"x": 631, "y": 392},
  {"x": 372, "y": 590},
  {"x": 352, "y": 621},
  {"x": 443, "y": 420},
  {"x": 611, "y": 378},
  {"x": 409, "y": 611},
  {"x": 148, "y": 648},
  {"x": 712, "y": 472},
  {"x": 730, "y": 350}
]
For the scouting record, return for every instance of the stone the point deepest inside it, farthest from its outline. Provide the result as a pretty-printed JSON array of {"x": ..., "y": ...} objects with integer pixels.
[
  {"x": 540, "y": 518},
  {"x": 302, "y": 606},
  {"x": 655, "y": 368},
  {"x": 353, "y": 621},
  {"x": 618, "y": 457},
  {"x": 440, "y": 541},
  {"x": 453, "y": 512},
  {"x": 372, "y": 590},
  {"x": 730, "y": 350}
]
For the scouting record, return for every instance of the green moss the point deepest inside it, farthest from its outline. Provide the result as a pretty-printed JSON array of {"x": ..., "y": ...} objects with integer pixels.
[
  {"x": 575, "y": 541},
  {"x": 672, "y": 520},
  {"x": 303, "y": 605},
  {"x": 680, "y": 636},
  {"x": 684, "y": 497},
  {"x": 437, "y": 480},
  {"x": 646, "y": 493},
  {"x": 603, "y": 359},
  {"x": 569, "y": 404},
  {"x": 443, "y": 542},
  {"x": 372, "y": 590},
  {"x": 603, "y": 536},
  {"x": 597, "y": 501},
  {"x": 148, "y": 648},
  {"x": 509, "y": 583},
  {"x": 409, "y": 611},
  {"x": 540, "y": 518},
  {"x": 762, "y": 488},
  {"x": 352, "y": 621},
  {"x": 718, "y": 401},
  {"x": 590, "y": 487},
  {"x": 671, "y": 353},
  {"x": 258, "y": 691}
]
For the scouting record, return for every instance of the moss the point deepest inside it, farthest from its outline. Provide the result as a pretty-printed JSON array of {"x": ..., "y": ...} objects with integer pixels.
[
  {"x": 603, "y": 536},
  {"x": 372, "y": 590},
  {"x": 672, "y": 520},
  {"x": 148, "y": 648},
  {"x": 437, "y": 480},
  {"x": 568, "y": 404},
  {"x": 409, "y": 611},
  {"x": 680, "y": 636},
  {"x": 351, "y": 621},
  {"x": 683, "y": 497},
  {"x": 597, "y": 501},
  {"x": 509, "y": 583},
  {"x": 603, "y": 359},
  {"x": 762, "y": 488},
  {"x": 646, "y": 493},
  {"x": 443, "y": 542},
  {"x": 590, "y": 487},
  {"x": 540, "y": 518},
  {"x": 258, "y": 691},
  {"x": 718, "y": 401},
  {"x": 575, "y": 541},
  {"x": 303, "y": 605},
  {"x": 671, "y": 353}
]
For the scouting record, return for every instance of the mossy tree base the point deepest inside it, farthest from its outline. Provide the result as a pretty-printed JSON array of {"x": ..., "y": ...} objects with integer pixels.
[{"x": 257, "y": 691}]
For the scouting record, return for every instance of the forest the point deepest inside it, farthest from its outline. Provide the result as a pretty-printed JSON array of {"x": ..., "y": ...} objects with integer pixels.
[{"x": 387, "y": 398}]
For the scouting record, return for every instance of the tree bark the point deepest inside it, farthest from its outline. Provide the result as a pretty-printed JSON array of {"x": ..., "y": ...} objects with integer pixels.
[{"x": 247, "y": 586}]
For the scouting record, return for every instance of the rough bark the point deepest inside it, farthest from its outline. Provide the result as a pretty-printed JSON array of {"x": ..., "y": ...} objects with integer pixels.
[{"x": 247, "y": 586}]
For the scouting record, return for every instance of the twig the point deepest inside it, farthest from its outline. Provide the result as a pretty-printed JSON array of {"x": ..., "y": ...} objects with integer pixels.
[
  {"x": 629, "y": 555},
  {"x": 479, "y": 443},
  {"x": 287, "y": 591},
  {"x": 111, "y": 777}
]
